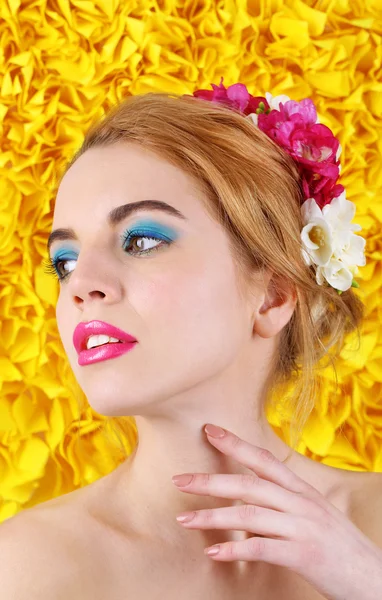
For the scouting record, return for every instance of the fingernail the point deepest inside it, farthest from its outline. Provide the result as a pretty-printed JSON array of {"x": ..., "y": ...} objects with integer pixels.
[
  {"x": 182, "y": 480},
  {"x": 213, "y": 431},
  {"x": 186, "y": 517},
  {"x": 213, "y": 550}
]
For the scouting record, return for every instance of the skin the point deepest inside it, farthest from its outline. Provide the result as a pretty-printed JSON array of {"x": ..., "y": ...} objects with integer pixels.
[
  {"x": 204, "y": 347},
  {"x": 301, "y": 530}
]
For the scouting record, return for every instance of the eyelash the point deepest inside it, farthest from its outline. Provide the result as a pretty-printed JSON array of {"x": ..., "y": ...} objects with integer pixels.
[{"x": 50, "y": 265}]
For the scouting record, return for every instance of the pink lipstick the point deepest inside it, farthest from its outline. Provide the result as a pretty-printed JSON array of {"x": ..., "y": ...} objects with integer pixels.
[{"x": 107, "y": 349}]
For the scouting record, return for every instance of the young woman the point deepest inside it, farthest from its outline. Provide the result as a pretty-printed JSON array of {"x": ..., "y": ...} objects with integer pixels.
[{"x": 192, "y": 282}]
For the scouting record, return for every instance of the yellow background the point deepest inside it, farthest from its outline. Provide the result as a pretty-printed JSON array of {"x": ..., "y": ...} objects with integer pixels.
[{"x": 63, "y": 64}]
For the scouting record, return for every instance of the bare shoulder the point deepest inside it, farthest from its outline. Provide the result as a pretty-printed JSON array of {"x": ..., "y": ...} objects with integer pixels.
[
  {"x": 358, "y": 494},
  {"x": 33, "y": 562},
  {"x": 69, "y": 546},
  {"x": 50, "y": 550},
  {"x": 366, "y": 504}
]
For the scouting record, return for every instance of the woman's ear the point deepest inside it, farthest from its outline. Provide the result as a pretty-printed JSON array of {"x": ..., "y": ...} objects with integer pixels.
[{"x": 279, "y": 302}]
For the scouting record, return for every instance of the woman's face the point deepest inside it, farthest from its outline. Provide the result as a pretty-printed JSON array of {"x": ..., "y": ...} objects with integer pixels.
[{"x": 180, "y": 300}]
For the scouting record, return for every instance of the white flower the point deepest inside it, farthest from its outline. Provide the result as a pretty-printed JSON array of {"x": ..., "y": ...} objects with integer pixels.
[
  {"x": 274, "y": 101},
  {"x": 316, "y": 234},
  {"x": 335, "y": 273},
  {"x": 254, "y": 117},
  {"x": 329, "y": 242}
]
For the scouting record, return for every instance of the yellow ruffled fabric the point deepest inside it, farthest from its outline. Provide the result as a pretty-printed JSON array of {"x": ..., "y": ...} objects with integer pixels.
[{"x": 62, "y": 65}]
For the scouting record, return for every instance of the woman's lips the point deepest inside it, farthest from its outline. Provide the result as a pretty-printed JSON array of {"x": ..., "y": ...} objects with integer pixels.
[
  {"x": 104, "y": 352},
  {"x": 85, "y": 329}
]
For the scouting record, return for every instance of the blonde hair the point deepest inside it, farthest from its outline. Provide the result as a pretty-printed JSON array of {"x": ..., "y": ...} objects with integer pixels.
[{"x": 253, "y": 189}]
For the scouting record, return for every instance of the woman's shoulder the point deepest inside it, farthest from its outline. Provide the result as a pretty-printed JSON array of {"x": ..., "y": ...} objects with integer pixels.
[
  {"x": 355, "y": 493},
  {"x": 34, "y": 560},
  {"x": 56, "y": 546},
  {"x": 68, "y": 539},
  {"x": 366, "y": 502}
]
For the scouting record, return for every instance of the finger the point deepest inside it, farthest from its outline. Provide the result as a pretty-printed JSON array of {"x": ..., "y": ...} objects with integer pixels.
[
  {"x": 261, "y": 461},
  {"x": 277, "y": 552},
  {"x": 248, "y": 488},
  {"x": 248, "y": 517}
]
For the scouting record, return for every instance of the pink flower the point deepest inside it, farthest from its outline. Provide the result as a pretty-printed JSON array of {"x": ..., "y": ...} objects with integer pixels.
[
  {"x": 315, "y": 144},
  {"x": 295, "y": 128},
  {"x": 279, "y": 124},
  {"x": 309, "y": 144},
  {"x": 303, "y": 111},
  {"x": 312, "y": 145},
  {"x": 321, "y": 188},
  {"x": 235, "y": 96}
]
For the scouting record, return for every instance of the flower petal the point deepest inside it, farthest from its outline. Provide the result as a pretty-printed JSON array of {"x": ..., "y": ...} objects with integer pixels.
[
  {"x": 338, "y": 275},
  {"x": 317, "y": 239}
]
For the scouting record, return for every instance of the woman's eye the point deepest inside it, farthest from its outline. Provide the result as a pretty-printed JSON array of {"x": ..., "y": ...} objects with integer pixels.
[
  {"x": 133, "y": 244},
  {"x": 142, "y": 243},
  {"x": 52, "y": 266}
]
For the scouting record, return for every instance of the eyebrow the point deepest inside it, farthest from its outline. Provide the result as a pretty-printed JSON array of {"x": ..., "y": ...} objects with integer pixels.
[{"x": 118, "y": 214}]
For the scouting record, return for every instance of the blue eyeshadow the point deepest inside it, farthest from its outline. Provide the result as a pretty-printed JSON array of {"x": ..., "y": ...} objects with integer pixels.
[
  {"x": 155, "y": 228},
  {"x": 64, "y": 253},
  {"x": 147, "y": 225}
]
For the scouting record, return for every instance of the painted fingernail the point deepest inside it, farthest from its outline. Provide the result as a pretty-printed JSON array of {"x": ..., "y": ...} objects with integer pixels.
[
  {"x": 213, "y": 550},
  {"x": 213, "y": 431},
  {"x": 182, "y": 480},
  {"x": 186, "y": 517}
]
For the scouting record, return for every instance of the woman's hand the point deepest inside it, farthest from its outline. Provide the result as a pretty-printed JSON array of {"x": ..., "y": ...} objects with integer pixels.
[{"x": 303, "y": 530}]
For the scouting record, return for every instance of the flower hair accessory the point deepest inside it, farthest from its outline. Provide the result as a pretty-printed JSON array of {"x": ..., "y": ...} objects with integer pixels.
[{"x": 327, "y": 235}]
